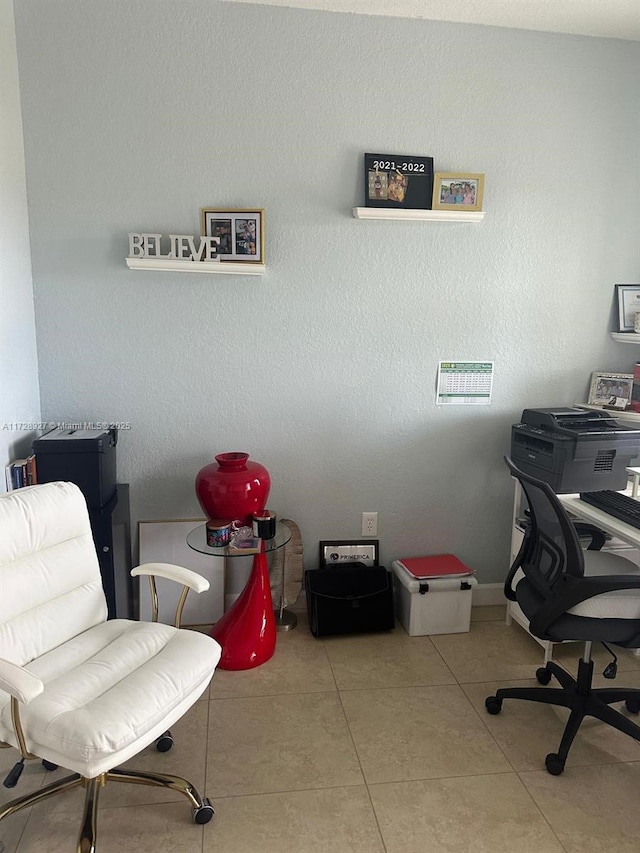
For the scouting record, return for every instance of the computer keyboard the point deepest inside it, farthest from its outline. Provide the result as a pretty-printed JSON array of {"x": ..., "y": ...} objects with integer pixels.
[{"x": 622, "y": 507}]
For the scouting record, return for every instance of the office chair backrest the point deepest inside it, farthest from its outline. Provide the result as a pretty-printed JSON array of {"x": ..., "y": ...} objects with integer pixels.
[
  {"x": 551, "y": 548},
  {"x": 50, "y": 582}
]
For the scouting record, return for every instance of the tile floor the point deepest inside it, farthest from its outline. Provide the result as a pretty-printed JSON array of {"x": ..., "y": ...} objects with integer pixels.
[{"x": 370, "y": 744}]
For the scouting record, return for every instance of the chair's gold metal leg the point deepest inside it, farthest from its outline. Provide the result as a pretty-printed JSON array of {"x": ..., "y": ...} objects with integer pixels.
[
  {"x": 88, "y": 829},
  {"x": 58, "y": 787},
  {"x": 164, "y": 780}
]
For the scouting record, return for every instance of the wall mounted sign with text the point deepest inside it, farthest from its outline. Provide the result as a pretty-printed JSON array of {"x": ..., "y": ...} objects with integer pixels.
[
  {"x": 464, "y": 383},
  {"x": 178, "y": 247}
]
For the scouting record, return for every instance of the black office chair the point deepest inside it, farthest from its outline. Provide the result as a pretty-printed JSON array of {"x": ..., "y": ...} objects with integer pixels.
[{"x": 570, "y": 594}]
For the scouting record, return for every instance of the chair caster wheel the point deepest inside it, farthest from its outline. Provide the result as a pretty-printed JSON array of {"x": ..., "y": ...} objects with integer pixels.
[
  {"x": 164, "y": 742},
  {"x": 554, "y": 764},
  {"x": 493, "y": 704},
  {"x": 633, "y": 706},
  {"x": 543, "y": 675},
  {"x": 204, "y": 813},
  {"x": 49, "y": 765}
]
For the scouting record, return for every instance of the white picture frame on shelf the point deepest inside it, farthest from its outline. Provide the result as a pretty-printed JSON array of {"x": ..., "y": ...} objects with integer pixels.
[
  {"x": 628, "y": 305},
  {"x": 165, "y": 541}
]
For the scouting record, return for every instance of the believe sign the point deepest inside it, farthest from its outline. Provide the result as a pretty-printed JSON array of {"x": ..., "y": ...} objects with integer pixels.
[{"x": 181, "y": 247}]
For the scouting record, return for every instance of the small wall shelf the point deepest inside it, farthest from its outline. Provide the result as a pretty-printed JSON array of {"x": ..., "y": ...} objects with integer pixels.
[
  {"x": 626, "y": 337},
  {"x": 419, "y": 215},
  {"x": 219, "y": 267}
]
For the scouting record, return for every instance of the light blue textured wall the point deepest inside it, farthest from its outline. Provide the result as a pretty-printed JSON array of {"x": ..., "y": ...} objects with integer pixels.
[{"x": 137, "y": 114}]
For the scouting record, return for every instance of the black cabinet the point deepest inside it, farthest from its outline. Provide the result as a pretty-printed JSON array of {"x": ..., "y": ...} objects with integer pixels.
[{"x": 111, "y": 527}]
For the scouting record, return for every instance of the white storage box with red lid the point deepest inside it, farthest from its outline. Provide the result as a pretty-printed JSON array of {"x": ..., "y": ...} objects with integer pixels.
[{"x": 433, "y": 594}]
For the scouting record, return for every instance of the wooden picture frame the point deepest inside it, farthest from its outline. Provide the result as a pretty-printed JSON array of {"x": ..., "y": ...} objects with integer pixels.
[
  {"x": 458, "y": 191},
  {"x": 335, "y": 551},
  {"x": 240, "y": 231},
  {"x": 610, "y": 390}
]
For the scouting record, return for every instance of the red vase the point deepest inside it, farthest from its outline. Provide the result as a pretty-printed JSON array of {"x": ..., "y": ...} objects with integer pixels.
[
  {"x": 247, "y": 631},
  {"x": 232, "y": 487}
]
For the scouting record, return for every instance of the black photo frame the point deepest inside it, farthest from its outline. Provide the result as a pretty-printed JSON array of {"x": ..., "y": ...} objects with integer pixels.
[
  {"x": 400, "y": 181},
  {"x": 333, "y": 552}
]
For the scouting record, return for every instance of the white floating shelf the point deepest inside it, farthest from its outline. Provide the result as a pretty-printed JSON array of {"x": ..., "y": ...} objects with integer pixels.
[
  {"x": 219, "y": 267},
  {"x": 419, "y": 215},
  {"x": 626, "y": 337}
]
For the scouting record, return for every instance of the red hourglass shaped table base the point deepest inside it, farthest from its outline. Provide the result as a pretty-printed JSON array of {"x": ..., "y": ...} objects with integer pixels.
[{"x": 247, "y": 631}]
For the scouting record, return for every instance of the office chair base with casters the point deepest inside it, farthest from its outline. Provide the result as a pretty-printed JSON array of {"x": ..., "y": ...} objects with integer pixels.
[
  {"x": 580, "y": 697},
  {"x": 202, "y": 809},
  {"x": 566, "y": 593}
]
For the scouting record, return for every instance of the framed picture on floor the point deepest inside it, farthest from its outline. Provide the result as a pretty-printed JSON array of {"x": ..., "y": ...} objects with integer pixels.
[
  {"x": 241, "y": 234},
  {"x": 334, "y": 552}
]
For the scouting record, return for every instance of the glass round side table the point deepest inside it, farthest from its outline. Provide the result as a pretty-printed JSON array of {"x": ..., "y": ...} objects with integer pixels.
[
  {"x": 197, "y": 539},
  {"x": 247, "y": 631}
]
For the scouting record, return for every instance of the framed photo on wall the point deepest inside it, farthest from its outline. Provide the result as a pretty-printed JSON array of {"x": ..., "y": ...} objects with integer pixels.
[
  {"x": 457, "y": 191},
  {"x": 241, "y": 234},
  {"x": 610, "y": 390},
  {"x": 628, "y": 305}
]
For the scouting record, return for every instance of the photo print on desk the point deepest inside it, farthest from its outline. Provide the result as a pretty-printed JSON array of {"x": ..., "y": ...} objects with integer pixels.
[
  {"x": 610, "y": 390},
  {"x": 241, "y": 234}
]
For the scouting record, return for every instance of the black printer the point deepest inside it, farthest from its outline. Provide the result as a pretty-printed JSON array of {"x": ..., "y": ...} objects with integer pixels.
[{"x": 574, "y": 450}]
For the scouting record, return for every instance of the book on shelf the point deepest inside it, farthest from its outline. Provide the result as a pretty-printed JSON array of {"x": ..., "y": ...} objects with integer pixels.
[
  {"x": 21, "y": 472},
  {"x": 32, "y": 474}
]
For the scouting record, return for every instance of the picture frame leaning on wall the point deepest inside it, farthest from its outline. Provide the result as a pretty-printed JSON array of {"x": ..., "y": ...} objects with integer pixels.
[
  {"x": 610, "y": 390},
  {"x": 628, "y": 305},
  {"x": 240, "y": 231},
  {"x": 458, "y": 191}
]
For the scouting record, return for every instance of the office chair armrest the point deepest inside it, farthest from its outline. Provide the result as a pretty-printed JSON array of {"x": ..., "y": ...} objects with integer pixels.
[
  {"x": 173, "y": 573},
  {"x": 19, "y": 682},
  {"x": 188, "y": 579},
  {"x": 574, "y": 591},
  {"x": 598, "y": 537}
]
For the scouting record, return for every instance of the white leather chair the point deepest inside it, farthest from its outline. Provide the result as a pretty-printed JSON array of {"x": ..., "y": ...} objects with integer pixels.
[{"x": 77, "y": 690}]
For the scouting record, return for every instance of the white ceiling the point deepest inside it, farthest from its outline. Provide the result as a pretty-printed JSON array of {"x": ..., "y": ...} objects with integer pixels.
[{"x": 606, "y": 18}]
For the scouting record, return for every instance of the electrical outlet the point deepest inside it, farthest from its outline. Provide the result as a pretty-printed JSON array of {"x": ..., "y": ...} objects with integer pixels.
[{"x": 369, "y": 523}]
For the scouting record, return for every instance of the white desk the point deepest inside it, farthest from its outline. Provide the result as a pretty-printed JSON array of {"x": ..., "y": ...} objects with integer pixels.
[
  {"x": 586, "y": 512},
  {"x": 625, "y": 537}
]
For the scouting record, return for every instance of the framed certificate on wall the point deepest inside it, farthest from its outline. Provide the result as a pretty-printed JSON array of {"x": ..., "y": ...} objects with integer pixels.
[{"x": 401, "y": 181}]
